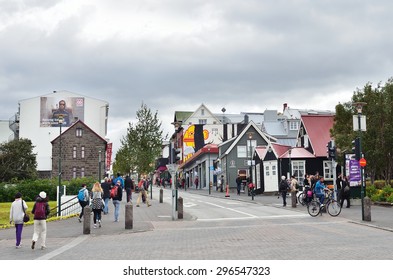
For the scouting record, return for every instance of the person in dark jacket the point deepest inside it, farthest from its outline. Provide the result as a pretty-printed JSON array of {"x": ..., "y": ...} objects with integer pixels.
[
  {"x": 117, "y": 199},
  {"x": 129, "y": 187},
  {"x": 345, "y": 193},
  {"x": 283, "y": 188},
  {"x": 106, "y": 187},
  {"x": 41, "y": 211}
]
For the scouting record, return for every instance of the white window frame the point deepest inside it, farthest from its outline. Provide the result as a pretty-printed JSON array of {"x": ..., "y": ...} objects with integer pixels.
[
  {"x": 300, "y": 167},
  {"x": 327, "y": 170},
  {"x": 293, "y": 125},
  {"x": 242, "y": 151}
]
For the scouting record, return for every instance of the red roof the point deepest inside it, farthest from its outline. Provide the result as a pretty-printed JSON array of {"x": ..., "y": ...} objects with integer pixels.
[{"x": 318, "y": 130}]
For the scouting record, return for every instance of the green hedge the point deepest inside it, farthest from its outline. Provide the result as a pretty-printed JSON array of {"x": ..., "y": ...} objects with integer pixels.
[
  {"x": 31, "y": 188},
  {"x": 378, "y": 194}
]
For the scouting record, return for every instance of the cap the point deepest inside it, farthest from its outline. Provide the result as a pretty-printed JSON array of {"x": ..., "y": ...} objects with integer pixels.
[
  {"x": 282, "y": 177},
  {"x": 42, "y": 195}
]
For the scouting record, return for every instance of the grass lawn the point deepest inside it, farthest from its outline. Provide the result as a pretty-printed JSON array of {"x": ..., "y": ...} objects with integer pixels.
[{"x": 5, "y": 211}]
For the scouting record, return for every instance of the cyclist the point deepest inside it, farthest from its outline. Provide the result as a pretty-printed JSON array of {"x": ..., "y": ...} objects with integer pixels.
[{"x": 320, "y": 190}]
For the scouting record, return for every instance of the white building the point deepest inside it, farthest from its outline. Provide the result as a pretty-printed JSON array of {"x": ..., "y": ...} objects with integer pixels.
[{"x": 39, "y": 123}]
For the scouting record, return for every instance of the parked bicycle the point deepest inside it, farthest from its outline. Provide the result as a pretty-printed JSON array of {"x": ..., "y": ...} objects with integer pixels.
[
  {"x": 305, "y": 197},
  {"x": 332, "y": 206}
]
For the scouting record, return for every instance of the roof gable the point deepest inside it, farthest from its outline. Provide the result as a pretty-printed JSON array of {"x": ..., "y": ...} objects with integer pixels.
[
  {"x": 79, "y": 122},
  {"x": 318, "y": 130}
]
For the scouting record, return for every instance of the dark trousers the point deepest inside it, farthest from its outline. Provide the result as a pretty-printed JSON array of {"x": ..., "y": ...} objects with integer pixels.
[
  {"x": 82, "y": 204},
  {"x": 345, "y": 197},
  {"x": 97, "y": 215},
  {"x": 284, "y": 198}
]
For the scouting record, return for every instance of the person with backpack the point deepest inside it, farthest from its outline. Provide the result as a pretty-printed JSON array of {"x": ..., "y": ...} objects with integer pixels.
[
  {"x": 83, "y": 198},
  {"x": 283, "y": 188},
  {"x": 41, "y": 211},
  {"x": 129, "y": 187},
  {"x": 143, "y": 186},
  {"x": 116, "y": 195},
  {"x": 17, "y": 211},
  {"x": 106, "y": 187}
]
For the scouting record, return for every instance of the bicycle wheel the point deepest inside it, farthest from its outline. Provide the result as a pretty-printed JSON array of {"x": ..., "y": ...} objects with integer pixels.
[
  {"x": 313, "y": 208},
  {"x": 301, "y": 198},
  {"x": 333, "y": 208}
]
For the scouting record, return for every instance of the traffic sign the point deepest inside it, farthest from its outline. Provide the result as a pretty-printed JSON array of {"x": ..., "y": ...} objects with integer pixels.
[{"x": 362, "y": 162}]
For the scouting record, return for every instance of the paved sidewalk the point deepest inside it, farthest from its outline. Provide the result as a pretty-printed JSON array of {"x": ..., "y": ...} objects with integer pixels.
[
  {"x": 381, "y": 216},
  {"x": 67, "y": 232}
]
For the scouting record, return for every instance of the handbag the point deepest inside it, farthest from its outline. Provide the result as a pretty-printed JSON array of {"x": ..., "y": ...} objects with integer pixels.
[{"x": 26, "y": 217}]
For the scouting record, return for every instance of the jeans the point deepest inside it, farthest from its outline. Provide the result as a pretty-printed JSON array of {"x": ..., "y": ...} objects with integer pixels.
[
  {"x": 321, "y": 197},
  {"x": 106, "y": 205},
  {"x": 97, "y": 215},
  {"x": 284, "y": 198},
  {"x": 116, "y": 203}
]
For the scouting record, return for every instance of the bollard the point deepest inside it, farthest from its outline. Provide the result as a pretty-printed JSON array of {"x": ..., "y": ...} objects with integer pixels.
[
  {"x": 294, "y": 199},
  {"x": 227, "y": 192},
  {"x": 129, "y": 220},
  {"x": 367, "y": 208},
  {"x": 86, "y": 219},
  {"x": 161, "y": 195},
  {"x": 180, "y": 208}
]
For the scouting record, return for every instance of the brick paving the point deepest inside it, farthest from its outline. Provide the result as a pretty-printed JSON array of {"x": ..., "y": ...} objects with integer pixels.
[{"x": 155, "y": 236}]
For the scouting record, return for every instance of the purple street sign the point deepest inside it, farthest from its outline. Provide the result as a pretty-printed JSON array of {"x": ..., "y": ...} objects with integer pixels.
[{"x": 354, "y": 173}]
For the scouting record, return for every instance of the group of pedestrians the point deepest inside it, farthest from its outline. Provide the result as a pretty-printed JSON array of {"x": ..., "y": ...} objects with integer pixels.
[{"x": 40, "y": 211}]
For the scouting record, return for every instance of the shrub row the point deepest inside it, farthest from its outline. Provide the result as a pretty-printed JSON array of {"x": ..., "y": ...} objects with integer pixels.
[{"x": 31, "y": 188}]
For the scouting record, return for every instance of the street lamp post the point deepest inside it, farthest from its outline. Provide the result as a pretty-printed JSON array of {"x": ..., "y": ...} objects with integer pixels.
[
  {"x": 359, "y": 107},
  {"x": 289, "y": 164},
  {"x": 99, "y": 165},
  {"x": 208, "y": 150},
  {"x": 250, "y": 150},
  {"x": 60, "y": 121}
]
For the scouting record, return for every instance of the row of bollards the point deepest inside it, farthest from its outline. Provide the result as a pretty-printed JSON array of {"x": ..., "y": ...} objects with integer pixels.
[{"x": 129, "y": 214}]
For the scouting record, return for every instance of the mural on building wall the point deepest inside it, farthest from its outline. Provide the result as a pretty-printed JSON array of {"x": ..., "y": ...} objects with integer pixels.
[
  {"x": 71, "y": 108},
  {"x": 193, "y": 139}
]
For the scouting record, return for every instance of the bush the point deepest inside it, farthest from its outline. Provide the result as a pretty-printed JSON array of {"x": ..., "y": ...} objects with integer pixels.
[{"x": 31, "y": 188}]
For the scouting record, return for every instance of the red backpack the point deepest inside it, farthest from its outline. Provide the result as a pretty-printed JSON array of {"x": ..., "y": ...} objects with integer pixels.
[
  {"x": 113, "y": 192},
  {"x": 40, "y": 211}
]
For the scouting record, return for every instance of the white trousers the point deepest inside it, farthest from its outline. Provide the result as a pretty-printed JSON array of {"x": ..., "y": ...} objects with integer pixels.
[{"x": 40, "y": 231}]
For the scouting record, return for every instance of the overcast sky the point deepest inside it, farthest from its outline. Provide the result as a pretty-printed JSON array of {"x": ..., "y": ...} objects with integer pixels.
[{"x": 244, "y": 55}]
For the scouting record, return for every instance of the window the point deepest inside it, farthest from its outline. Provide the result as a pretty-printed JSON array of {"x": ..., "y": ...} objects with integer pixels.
[
  {"x": 202, "y": 112},
  {"x": 78, "y": 132},
  {"x": 327, "y": 170},
  {"x": 74, "y": 172},
  {"x": 298, "y": 169},
  {"x": 74, "y": 152},
  {"x": 293, "y": 125},
  {"x": 241, "y": 152},
  {"x": 83, "y": 152},
  {"x": 267, "y": 170},
  {"x": 202, "y": 121},
  {"x": 306, "y": 142},
  {"x": 215, "y": 131},
  {"x": 82, "y": 172},
  {"x": 274, "y": 170},
  {"x": 251, "y": 144}
]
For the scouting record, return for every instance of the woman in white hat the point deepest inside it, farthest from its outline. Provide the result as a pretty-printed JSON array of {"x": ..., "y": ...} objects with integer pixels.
[{"x": 41, "y": 211}]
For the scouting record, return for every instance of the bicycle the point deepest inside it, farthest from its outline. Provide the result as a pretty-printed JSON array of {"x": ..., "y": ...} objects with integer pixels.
[
  {"x": 303, "y": 197},
  {"x": 332, "y": 206}
]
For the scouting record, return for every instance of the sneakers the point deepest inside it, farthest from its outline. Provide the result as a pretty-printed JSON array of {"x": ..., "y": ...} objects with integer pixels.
[
  {"x": 43, "y": 247},
  {"x": 79, "y": 219},
  {"x": 18, "y": 246},
  {"x": 95, "y": 225},
  {"x": 99, "y": 223},
  {"x": 32, "y": 244}
]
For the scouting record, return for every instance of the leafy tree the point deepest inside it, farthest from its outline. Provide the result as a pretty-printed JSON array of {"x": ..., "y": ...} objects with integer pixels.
[
  {"x": 377, "y": 141},
  {"x": 17, "y": 160},
  {"x": 142, "y": 145}
]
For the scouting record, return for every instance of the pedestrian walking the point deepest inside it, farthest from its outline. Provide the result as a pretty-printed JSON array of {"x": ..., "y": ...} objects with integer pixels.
[
  {"x": 41, "y": 211},
  {"x": 238, "y": 184},
  {"x": 97, "y": 203},
  {"x": 283, "y": 188},
  {"x": 345, "y": 193},
  {"x": 106, "y": 188},
  {"x": 129, "y": 187},
  {"x": 17, "y": 212},
  {"x": 83, "y": 198},
  {"x": 143, "y": 187},
  {"x": 116, "y": 198}
]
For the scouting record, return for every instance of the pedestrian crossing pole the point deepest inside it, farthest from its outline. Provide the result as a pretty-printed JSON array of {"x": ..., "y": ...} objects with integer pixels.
[{"x": 173, "y": 169}]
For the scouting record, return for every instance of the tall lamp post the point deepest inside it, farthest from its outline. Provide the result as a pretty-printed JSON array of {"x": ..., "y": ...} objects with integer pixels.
[
  {"x": 99, "y": 165},
  {"x": 289, "y": 163},
  {"x": 60, "y": 121},
  {"x": 208, "y": 150},
  {"x": 359, "y": 107}
]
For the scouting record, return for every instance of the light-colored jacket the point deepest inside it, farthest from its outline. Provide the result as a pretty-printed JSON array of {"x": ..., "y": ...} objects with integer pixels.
[{"x": 16, "y": 211}]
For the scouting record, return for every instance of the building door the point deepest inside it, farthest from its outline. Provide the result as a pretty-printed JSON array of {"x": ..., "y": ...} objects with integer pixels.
[{"x": 270, "y": 174}]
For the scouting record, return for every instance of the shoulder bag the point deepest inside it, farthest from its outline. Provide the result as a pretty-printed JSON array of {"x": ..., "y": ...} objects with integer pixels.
[{"x": 26, "y": 217}]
